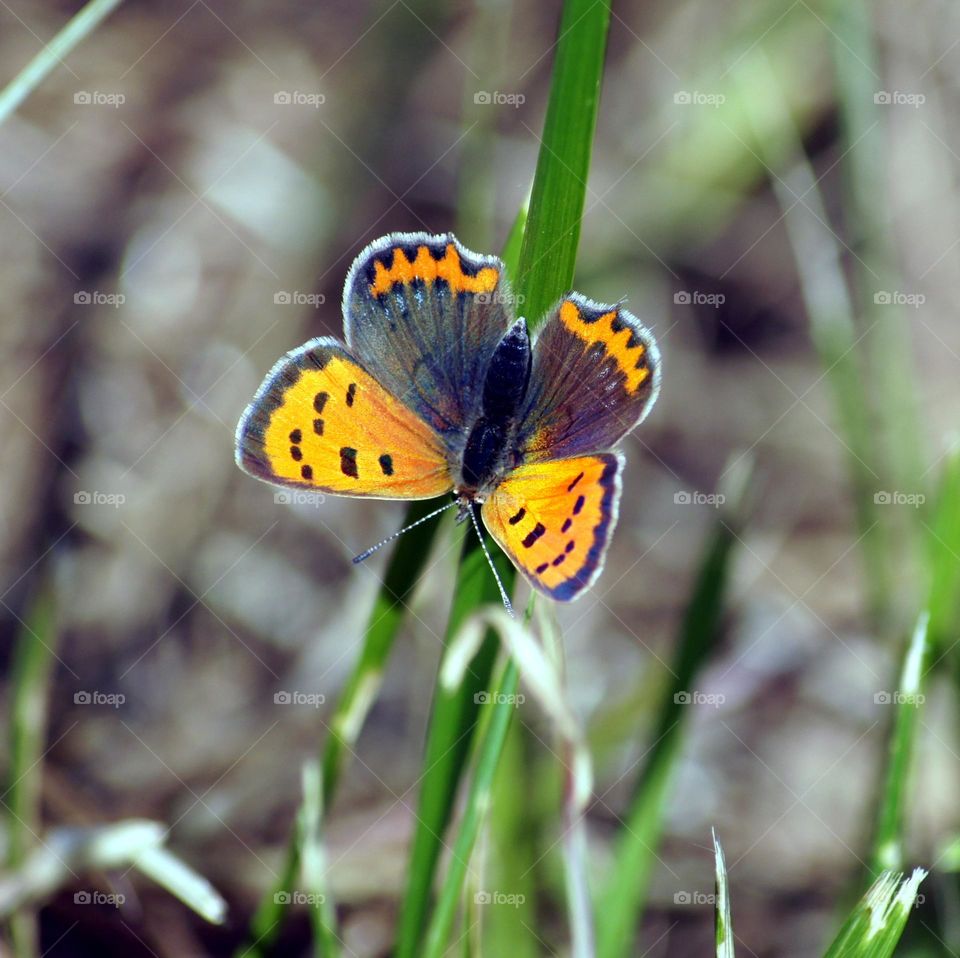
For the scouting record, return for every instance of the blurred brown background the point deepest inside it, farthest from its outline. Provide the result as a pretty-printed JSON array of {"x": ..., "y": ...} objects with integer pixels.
[{"x": 170, "y": 225}]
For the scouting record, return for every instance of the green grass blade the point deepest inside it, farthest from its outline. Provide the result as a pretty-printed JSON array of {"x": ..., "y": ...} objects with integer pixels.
[
  {"x": 943, "y": 534},
  {"x": 623, "y": 895},
  {"x": 30, "y": 682},
  {"x": 875, "y": 925},
  {"x": 267, "y": 920},
  {"x": 545, "y": 272},
  {"x": 512, "y": 853},
  {"x": 478, "y": 799},
  {"x": 907, "y": 699},
  {"x": 452, "y": 723},
  {"x": 37, "y": 70},
  {"x": 549, "y": 251},
  {"x": 323, "y": 915},
  {"x": 723, "y": 923}
]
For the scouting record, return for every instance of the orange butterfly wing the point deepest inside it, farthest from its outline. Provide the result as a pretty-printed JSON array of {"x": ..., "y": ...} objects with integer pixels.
[
  {"x": 554, "y": 520},
  {"x": 322, "y": 422}
]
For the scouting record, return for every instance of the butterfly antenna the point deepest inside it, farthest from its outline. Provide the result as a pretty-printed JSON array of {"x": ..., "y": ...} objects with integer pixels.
[
  {"x": 493, "y": 568},
  {"x": 366, "y": 555}
]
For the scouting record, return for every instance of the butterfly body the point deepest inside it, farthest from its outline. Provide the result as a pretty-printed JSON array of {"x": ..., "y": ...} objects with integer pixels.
[
  {"x": 490, "y": 442},
  {"x": 438, "y": 389}
]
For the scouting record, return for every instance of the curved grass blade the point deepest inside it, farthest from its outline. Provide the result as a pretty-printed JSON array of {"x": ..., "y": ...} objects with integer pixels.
[
  {"x": 323, "y": 915},
  {"x": 723, "y": 924},
  {"x": 875, "y": 925},
  {"x": 37, "y": 70},
  {"x": 30, "y": 682},
  {"x": 69, "y": 851},
  {"x": 908, "y": 698}
]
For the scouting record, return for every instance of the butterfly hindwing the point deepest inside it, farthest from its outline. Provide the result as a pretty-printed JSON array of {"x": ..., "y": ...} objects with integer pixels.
[
  {"x": 321, "y": 421},
  {"x": 554, "y": 520},
  {"x": 596, "y": 373},
  {"x": 424, "y": 314}
]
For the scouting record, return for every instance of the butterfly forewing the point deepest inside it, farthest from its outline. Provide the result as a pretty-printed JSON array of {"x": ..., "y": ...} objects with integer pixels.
[
  {"x": 322, "y": 421},
  {"x": 424, "y": 315}
]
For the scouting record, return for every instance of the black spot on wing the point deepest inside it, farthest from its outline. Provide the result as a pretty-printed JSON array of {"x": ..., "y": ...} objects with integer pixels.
[
  {"x": 617, "y": 325},
  {"x": 538, "y": 530},
  {"x": 590, "y": 315},
  {"x": 348, "y": 462},
  {"x": 386, "y": 464}
]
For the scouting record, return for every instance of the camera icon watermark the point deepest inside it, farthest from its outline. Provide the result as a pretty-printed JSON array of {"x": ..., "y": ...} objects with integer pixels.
[
  {"x": 896, "y": 498},
  {"x": 98, "y": 98},
  {"x": 899, "y": 98},
  {"x": 86, "y": 497},
  {"x": 285, "y": 297},
  {"x": 299, "y": 98},
  {"x": 297, "y": 497},
  {"x": 698, "y": 98},
  {"x": 916, "y": 699},
  {"x": 684, "y": 497},
  {"x": 98, "y": 898},
  {"x": 498, "y": 898},
  {"x": 694, "y": 898},
  {"x": 498, "y": 698},
  {"x": 96, "y": 697},
  {"x": 309, "y": 899},
  {"x": 695, "y": 297},
  {"x": 501, "y": 297},
  {"x": 896, "y": 297},
  {"x": 95, "y": 297},
  {"x": 498, "y": 98},
  {"x": 715, "y": 699},
  {"x": 296, "y": 697}
]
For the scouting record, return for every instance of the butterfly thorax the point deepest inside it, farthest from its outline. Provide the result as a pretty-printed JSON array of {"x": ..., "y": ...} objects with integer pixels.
[{"x": 487, "y": 454}]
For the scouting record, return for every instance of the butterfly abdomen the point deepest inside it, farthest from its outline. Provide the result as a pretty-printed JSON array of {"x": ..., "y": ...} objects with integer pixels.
[{"x": 504, "y": 389}]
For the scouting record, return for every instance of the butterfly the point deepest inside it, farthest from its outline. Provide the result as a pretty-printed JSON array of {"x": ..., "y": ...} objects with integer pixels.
[{"x": 437, "y": 389}]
